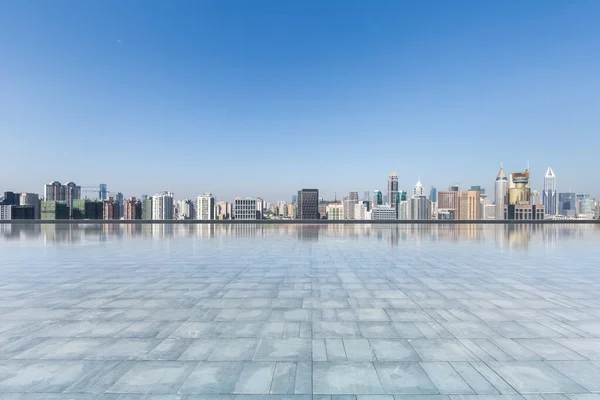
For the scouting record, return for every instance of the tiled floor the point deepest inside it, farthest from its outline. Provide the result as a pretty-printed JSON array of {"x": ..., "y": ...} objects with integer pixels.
[{"x": 300, "y": 312}]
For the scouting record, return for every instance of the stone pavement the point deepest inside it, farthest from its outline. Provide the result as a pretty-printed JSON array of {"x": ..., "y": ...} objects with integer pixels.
[{"x": 286, "y": 316}]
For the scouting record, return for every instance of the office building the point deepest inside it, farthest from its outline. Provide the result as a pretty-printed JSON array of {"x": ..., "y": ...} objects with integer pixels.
[
  {"x": 383, "y": 212},
  {"x": 5, "y": 212},
  {"x": 525, "y": 212},
  {"x": 147, "y": 209},
  {"x": 585, "y": 206},
  {"x": 360, "y": 210},
  {"x": 489, "y": 211},
  {"x": 133, "y": 209},
  {"x": 449, "y": 200},
  {"x": 335, "y": 211},
  {"x": 536, "y": 198},
  {"x": 419, "y": 205},
  {"x": 567, "y": 204},
  {"x": 120, "y": 199},
  {"x": 446, "y": 214},
  {"x": 549, "y": 195},
  {"x": 112, "y": 209},
  {"x": 433, "y": 195},
  {"x": 519, "y": 191},
  {"x": 31, "y": 199},
  {"x": 16, "y": 212},
  {"x": 260, "y": 208},
  {"x": 53, "y": 209},
  {"x": 500, "y": 193},
  {"x": 103, "y": 192},
  {"x": 244, "y": 209},
  {"x": 291, "y": 210},
  {"x": 205, "y": 207},
  {"x": 402, "y": 212},
  {"x": 349, "y": 203},
  {"x": 477, "y": 188},
  {"x": 282, "y": 208},
  {"x": 10, "y": 199},
  {"x": 308, "y": 204},
  {"x": 87, "y": 209},
  {"x": 366, "y": 195},
  {"x": 377, "y": 198},
  {"x": 223, "y": 210},
  {"x": 392, "y": 188},
  {"x": 469, "y": 205},
  {"x": 162, "y": 206}
]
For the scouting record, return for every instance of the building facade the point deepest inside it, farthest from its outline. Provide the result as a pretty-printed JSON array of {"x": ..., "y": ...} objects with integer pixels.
[
  {"x": 205, "y": 207},
  {"x": 377, "y": 198},
  {"x": 549, "y": 195},
  {"x": 567, "y": 204},
  {"x": 469, "y": 205},
  {"x": 360, "y": 210},
  {"x": 526, "y": 212},
  {"x": 420, "y": 205},
  {"x": 500, "y": 193},
  {"x": 5, "y": 212},
  {"x": 103, "y": 192},
  {"x": 519, "y": 191},
  {"x": 185, "y": 209},
  {"x": 31, "y": 199},
  {"x": 244, "y": 209},
  {"x": 433, "y": 195},
  {"x": 308, "y": 204},
  {"x": 392, "y": 188},
  {"x": 87, "y": 209},
  {"x": 223, "y": 210},
  {"x": 585, "y": 206},
  {"x": 133, "y": 209},
  {"x": 147, "y": 209},
  {"x": 112, "y": 209},
  {"x": 162, "y": 206},
  {"x": 489, "y": 211},
  {"x": 335, "y": 211},
  {"x": 383, "y": 212},
  {"x": 52, "y": 210}
]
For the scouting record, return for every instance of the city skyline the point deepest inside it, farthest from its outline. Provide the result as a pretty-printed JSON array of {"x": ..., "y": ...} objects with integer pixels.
[{"x": 309, "y": 90}]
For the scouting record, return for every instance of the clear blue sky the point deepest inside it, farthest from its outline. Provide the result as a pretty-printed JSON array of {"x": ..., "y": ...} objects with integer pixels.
[{"x": 261, "y": 98}]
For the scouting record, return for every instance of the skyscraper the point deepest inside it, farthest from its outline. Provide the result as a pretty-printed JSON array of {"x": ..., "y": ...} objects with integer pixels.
[
  {"x": 54, "y": 191},
  {"x": 418, "y": 190},
  {"x": 549, "y": 198},
  {"x": 500, "y": 193},
  {"x": 185, "y": 209},
  {"x": 205, "y": 207},
  {"x": 377, "y": 198},
  {"x": 147, "y": 208},
  {"x": 349, "y": 204},
  {"x": 519, "y": 191},
  {"x": 420, "y": 205},
  {"x": 111, "y": 209},
  {"x": 470, "y": 205},
  {"x": 162, "y": 206},
  {"x": 103, "y": 192},
  {"x": 433, "y": 194},
  {"x": 308, "y": 204},
  {"x": 392, "y": 188},
  {"x": 585, "y": 205},
  {"x": 72, "y": 192},
  {"x": 120, "y": 199},
  {"x": 133, "y": 209}
]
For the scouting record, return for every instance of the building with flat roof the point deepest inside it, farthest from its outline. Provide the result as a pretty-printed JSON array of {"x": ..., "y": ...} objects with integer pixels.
[
  {"x": 308, "y": 204},
  {"x": 567, "y": 204},
  {"x": 31, "y": 199},
  {"x": 112, "y": 209},
  {"x": 147, "y": 209},
  {"x": 162, "y": 206},
  {"x": 87, "y": 209},
  {"x": 335, "y": 211},
  {"x": 133, "y": 209},
  {"x": 53, "y": 209},
  {"x": 469, "y": 205},
  {"x": 244, "y": 209},
  {"x": 384, "y": 212},
  {"x": 205, "y": 207}
]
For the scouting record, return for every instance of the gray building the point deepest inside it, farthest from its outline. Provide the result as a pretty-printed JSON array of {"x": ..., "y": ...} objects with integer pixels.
[
  {"x": 308, "y": 204},
  {"x": 147, "y": 209},
  {"x": 500, "y": 193},
  {"x": 377, "y": 198},
  {"x": 549, "y": 198},
  {"x": 31, "y": 199},
  {"x": 383, "y": 213},
  {"x": 244, "y": 209},
  {"x": 567, "y": 204}
]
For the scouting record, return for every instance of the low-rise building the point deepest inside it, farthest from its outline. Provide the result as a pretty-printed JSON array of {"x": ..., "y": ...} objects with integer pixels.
[
  {"x": 383, "y": 212},
  {"x": 54, "y": 209},
  {"x": 244, "y": 209},
  {"x": 446, "y": 214},
  {"x": 525, "y": 212}
]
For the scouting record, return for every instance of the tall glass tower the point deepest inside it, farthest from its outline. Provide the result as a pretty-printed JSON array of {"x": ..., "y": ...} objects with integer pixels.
[
  {"x": 500, "y": 193},
  {"x": 549, "y": 198}
]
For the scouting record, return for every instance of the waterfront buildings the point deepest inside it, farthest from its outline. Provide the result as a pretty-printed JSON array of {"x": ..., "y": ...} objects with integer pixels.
[
  {"x": 103, "y": 192},
  {"x": 31, "y": 199},
  {"x": 133, "y": 209},
  {"x": 349, "y": 203},
  {"x": 244, "y": 209},
  {"x": 433, "y": 195},
  {"x": 205, "y": 207},
  {"x": 567, "y": 204},
  {"x": 291, "y": 210},
  {"x": 10, "y": 212},
  {"x": 162, "y": 206},
  {"x": 87, "y": 209},
  {"x": 10, "y": 199},
  {"x": 361, "y": 210},
  {"x": 419, "y": 205},
  {"x": 469, "y": 205},
  {"x": 147, "y": 208},
  {"x": 446, "y": 214},
  {"x": 185, "y": 209},
  {"x": 54, "y": 209},
  {"x": 308, "y": 204},
  {"x": 500, "y": 189},
  {"x": 525, "y": 212},
  {"x": 377, "y": 198},
  {"x": 223, "y": 210},
  {"x": 5, "y": 212},
  {"x": 112, "y": 209},
  {"x": 549, "y": 196},
  {"x": 335, "y": 210},
  {"x": 384, "y": 212},
  {"x": 489, "y": 211},
  {"x": 54, "y": 191},
  {"x": 449, "y": 200},
  {"x": 120, "y": 199},
  {"x": 402, "y": 210},
  {"x": 597, "y": 211},
  {"x": 519, "y": 191},
  {"x": 585, "y": 206}
]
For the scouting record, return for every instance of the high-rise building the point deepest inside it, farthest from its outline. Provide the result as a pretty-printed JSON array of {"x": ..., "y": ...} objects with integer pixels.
[
  {"x": 308, "y": 204},
  {"x": 445, "y": 214},
  {"x": 377, "y": 198},
  {"x": 133, "y": 209},
  {"x": 120, "y": 199},
  {"x": 10, "y": 199},
  {"x": 477, "y": 188},
  {"x": 291, "y": 210},
  {"x": 205, "y": 207},
  {"x": 185, "y": 209},
  {"x": 162, "y": 206},
  {"x": 500, "y": 193},
  {"x": 402, "y": 211},
  {"x": 366, "y": 195},
  {"x": 53, "y": 209},
  {"x": 87, "y": 209},
  {"x": 335, "y": 211},
  {"x": 433, "y": 195},
  {"x": 420, "y": 205},
  {"x": 103, "y": 192},
  {"x": 282, "y": 208},
  {"x": 549, "y": 197},
  {"x": 112, "y": 209},
  {"x": 54, "y": 191},
  {"x": 223, "y": 210},
  {"x": 144, "y": 197},
  {"x": 72, "y": 192},
  {"x": 294, "y": 199},
  {"x": 469, "y": 205},
  {"x": 147, "y": 209},
  {"x": 31, "y": 199},
  {"x": 449, "y": 200},
  {"x": 392, "y": 188},
  {"x": 519, "y": 191},
  {"x": 585, "y": 205},
  {"x": 244, "y": 209},
  {"x": 536, "y": 197},
  {"x": 567, "y": 204},
  {"x": 360, "y": 210}
]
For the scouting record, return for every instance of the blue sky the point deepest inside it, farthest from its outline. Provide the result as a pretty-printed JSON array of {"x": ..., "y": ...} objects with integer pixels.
[{"x": 261, "y": 98}]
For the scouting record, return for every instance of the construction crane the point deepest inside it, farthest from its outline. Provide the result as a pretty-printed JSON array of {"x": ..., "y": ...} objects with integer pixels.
[{"x": 94, "y": 189}]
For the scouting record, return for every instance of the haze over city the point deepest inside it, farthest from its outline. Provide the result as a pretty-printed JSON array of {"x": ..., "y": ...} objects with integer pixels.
[{"x": 264, "y": 98}]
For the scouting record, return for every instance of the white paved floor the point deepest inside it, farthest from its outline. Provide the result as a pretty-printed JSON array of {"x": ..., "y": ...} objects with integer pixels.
[{"x": 300, "y": 312}]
